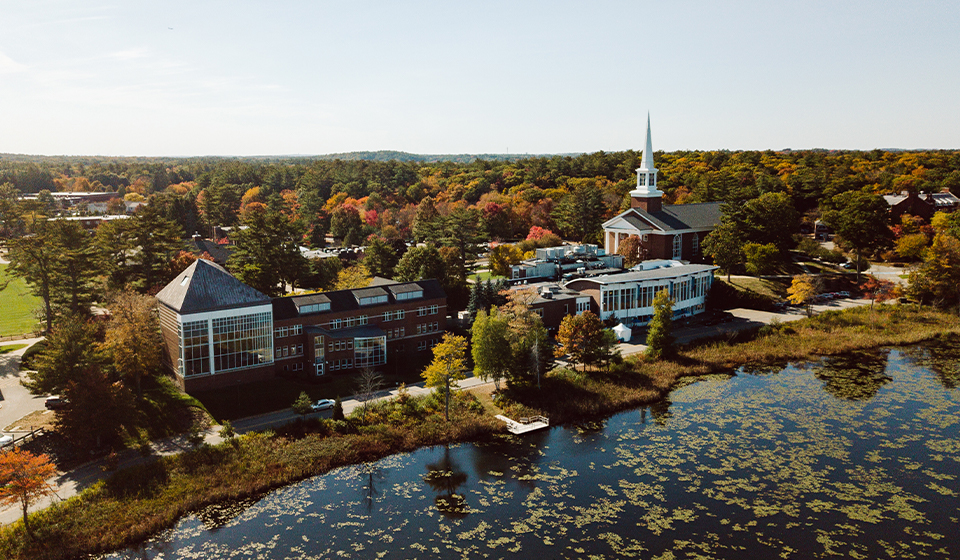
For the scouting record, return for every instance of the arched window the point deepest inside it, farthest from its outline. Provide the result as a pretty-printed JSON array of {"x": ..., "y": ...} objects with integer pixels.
[{"x": 677, "y": 246}]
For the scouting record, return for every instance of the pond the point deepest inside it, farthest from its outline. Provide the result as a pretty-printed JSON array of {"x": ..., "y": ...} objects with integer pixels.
[{"x": 857, "y": 456}]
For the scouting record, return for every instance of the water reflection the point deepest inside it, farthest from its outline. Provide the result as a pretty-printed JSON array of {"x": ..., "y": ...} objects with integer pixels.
[
  {"x": 219, "y": 515},
  {"x": 941, "y": 357},
  {"x": 856, "y": 376},
  {"x": 772, "y": 464},
  {"x": 444, "y": 477}
]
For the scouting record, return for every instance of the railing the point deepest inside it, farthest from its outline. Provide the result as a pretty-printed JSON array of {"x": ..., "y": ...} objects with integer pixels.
[
  {"x": 26, "y": 436},
  {"x": 532, "y": 419}
]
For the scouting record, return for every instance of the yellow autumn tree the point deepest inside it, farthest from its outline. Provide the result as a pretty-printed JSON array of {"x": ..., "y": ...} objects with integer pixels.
[
  {"x": 803, "y": 289},
  {"x": 132, "y": 337},
  {"x": 448, "y": 366}
]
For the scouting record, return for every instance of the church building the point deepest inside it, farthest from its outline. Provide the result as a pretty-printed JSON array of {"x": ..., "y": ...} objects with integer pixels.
[{"x": 666, "y": 231}]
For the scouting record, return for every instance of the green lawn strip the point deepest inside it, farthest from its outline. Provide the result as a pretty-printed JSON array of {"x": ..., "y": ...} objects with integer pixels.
[
  {"x": 136, "y": 503},
  {"x": 486, "y": 275},
  {"x": 17, "y": 305},
  {"x": 11, "y": 348}
]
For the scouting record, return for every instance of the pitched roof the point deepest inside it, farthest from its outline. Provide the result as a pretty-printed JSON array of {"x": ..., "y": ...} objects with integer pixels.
[
  {"x": 674, "y": 217},
  {"x": 205, "y": 286}
]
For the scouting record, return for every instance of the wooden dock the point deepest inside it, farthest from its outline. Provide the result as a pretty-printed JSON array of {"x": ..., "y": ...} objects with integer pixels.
[{"x": 525, "y": 425}]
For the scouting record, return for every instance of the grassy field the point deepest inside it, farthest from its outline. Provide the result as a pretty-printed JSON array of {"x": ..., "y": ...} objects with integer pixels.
[
  {"x": 11, "y": 348},
  {"x": 16, "y": 306}
]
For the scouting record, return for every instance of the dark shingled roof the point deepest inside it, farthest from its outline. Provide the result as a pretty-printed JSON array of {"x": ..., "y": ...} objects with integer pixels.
[
  {"x": 205, "y": 286},
  {"x": 684, "y": 216},
  {"x": 675, "y": 217},
  {"x": 347, "y": 300}
]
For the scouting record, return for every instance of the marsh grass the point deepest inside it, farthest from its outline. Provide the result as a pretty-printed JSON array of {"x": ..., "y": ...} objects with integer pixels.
[{"x": 136, "y": 503}]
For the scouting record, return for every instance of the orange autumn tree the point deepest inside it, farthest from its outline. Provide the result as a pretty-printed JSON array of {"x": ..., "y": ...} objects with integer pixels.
[{"x": 23, "y": 479}]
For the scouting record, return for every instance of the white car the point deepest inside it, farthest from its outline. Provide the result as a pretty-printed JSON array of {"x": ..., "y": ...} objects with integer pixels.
[
  {"x": 5, "y": 439},
  {"x": 322, "y": 404}
]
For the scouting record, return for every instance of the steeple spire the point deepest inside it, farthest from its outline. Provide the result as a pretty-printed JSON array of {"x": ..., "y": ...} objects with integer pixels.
[
  {"x": 646, "y": 162},
  {"x": 647, "y": 196}
]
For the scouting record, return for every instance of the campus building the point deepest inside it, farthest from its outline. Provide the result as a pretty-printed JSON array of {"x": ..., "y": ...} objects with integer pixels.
[
  {"x": 666, "y": 231},
  {"x": 625, "y": 296},
  {"x": 219, "y": 332}
]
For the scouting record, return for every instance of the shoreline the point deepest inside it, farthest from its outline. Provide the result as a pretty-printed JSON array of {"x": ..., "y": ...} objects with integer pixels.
[{"x": 168, "y": 489}]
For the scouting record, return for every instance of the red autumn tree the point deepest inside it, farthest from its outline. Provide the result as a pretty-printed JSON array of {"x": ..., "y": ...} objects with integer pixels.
[{"x": 23, "y": 479}]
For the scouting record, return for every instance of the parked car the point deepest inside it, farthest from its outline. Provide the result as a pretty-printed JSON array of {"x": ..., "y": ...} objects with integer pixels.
[
  {"x": 322, "y": 404},
  {"x": 844, "y": 294},
  {"x": 55, "y": 402},
  {"x": 848, "y": 265},
  {"x": 5, "y": 439}
]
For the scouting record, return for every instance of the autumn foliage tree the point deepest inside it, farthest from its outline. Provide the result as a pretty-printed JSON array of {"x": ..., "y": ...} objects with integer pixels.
[
  {"x": 880, "y": 290},
  {"x": 581, "y": 337},
  {"x": 659, "y": 336},
  {"x": 803, "y": 289},
  {"x": 23, "y": 479},
  {"x": 448, "y": 366},
  {"x": 132, "y": 337}
]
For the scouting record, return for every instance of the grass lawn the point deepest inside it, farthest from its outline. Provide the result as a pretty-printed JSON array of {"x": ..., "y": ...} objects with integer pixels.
[
  {"x": 11, "y": 348},
  {"x": 772, "y": 288},
  {"x": 486, "y": 275},
  {"x": 16, "y": 306}
]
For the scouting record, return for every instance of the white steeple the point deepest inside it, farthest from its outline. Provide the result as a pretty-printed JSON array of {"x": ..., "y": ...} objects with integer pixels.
[{"x": 647, "y": 173}]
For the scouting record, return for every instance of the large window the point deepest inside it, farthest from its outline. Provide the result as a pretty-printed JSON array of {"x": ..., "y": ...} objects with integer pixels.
[
  {"x": 243, "y": 341},
  {"x": 677, "y": 245},
  {"x": 370, "y": 351},
  {"x": 196, "y": 349}
]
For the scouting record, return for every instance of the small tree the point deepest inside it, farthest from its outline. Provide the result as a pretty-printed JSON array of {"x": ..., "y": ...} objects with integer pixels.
[
  {"x": 491, "y": 348},
  {"x": 303, "y": 403},
  {"x": 338, "y": 409},
  {"x": 23, "y": 479},
  {"x": 632, "y": 250},
  {"x": 760, "y": 258},
  {"x": 581, "y": 337},
  {"x": 880, "y": 290},
  {"x": 369, "y": 383},
  {"x": 447, "y": 367},
  {"x": 659, "y": 338},
  {"x": 133, "y": 337},
  {"x": 803, "y": 289}
]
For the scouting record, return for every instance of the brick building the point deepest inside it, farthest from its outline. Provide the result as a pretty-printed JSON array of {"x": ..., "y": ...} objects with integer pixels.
[
  {"x": 666, "y": 231},
  {"x": 218, "y": 331}
]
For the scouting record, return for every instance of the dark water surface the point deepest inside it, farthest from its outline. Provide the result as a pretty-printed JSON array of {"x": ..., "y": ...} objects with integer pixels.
[{"x": 857, "y": 457}]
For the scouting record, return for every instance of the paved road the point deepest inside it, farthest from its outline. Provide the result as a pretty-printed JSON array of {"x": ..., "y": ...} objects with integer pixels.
[{"x": 15, "y": 401}]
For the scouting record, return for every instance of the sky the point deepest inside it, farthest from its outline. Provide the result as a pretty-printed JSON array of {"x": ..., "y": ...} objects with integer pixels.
[{"x": 193, "y": 78}]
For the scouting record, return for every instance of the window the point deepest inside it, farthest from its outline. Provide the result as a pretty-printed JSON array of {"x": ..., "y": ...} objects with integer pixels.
[
  {"x": 422, "y": 311},
  {"x": 641, "y": 179},
  {"x": 318, "y": 352},
  {"x": 296, "y": 330},
  {"x": 370, "y": 351},
  {"x": 336, "y": 324},
  {"x": 583, "y": 305},
  {"x": 695, "y": 245},
  {"x": 313, "y": 308},
  {"x": 539, "y": 311},
  {"x": 242, "y": 341},
  {"x": 653, "y": 179},
  {"x": 434, "y": 309},
  {"x": 299, "y": 349},
  {"x": 409, "y": 295},
  {"x": 362, "y": 320},
  {"x": 393, "y": 315},
  {"x": 286, "y": 351},
  {"x": 373, "y": 300},
  {"x": 677, "y": 245}
]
